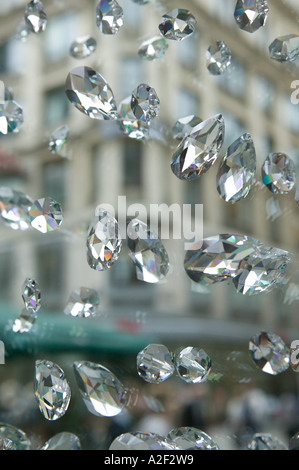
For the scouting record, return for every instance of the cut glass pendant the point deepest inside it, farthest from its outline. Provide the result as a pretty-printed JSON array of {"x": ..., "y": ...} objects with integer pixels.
[
  {"x": 83, "y": 303},
  {"x": 189, "y": 438},
  {"x": 102, "y": 392},
  {"x": 14, "y": 208},
  {"x": 270, "y": 353},
  {"x": 83, "y": 47},
  {"x": 177, "y": 24},
  {"x": 12, "y": 438},
  {"x": 218, "y": 58},
  {"x": 198, "y": 151},
  {"x": 192, "y": 365},
  {"x": 145, "y": 103},
  {"x": 89, "y": 92},
  {"x": 147, "y": 252},
  {"x": 45, "y": 215},
  {"x": 185, "y": 126},
  {"x": 251, "y": 15},
  {"x": 285, "y": 48},
  {"x": 155, "y": 364},
  {"x": 141, "y": 441},
  {"x": 264, "y": 441},
  {"x": 237, "y": 170},
  {"x": 103, "y": 241},
  {"x": 129, "y": 124},
  {"x": 153, "y": 48},
  {"x": 63, "y": 441},
  {"x": 11, "y": 117},
  {"x": 31, "y": 295},
  {"x": 278, "y": 173},
  {"x": 51, "y": 389},
  {"x": 35, "y": 16},
  {"x": 109, "y": 16},
  {"x": 58, "y": 141},
  {"x": 24, "y": 322}
]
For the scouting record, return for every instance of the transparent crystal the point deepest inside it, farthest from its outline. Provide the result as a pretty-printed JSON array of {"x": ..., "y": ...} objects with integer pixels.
[
  {"x": 89, "y": 92},
  {"x": 83, "y": 303},
  {"x": 193, "y": 365},
  {"x": 102, "y": 392},
  {"x": 237, "y": 170},
  {"x": 103, "y": 241},
  {"x": 31, "y": 295},
  {"x": 278, "y": 173},
  {"x": 24, "y": 322},
  {"x": 141, "y": 2},
  {"x": 285, "y": 48},
  {"x": 63, "y": 441},
  {"x": 110, "y": 16},
  {"x": 155, "y": 364},
  {"x": 264, "y": 441},
  {"x": 23, "y": 31},
  {"x": 13, "y": 437},
  {"x": 198, "y": 151},
  {"x": 14, "y": 208},
  {"x": 58, "y": 141},
  {"x": 83, "y": 47},
  {"x": 45, "y": 215},
  {"x": 8, "y": 93},
  {"x": 218, "y": 58},
  {"x": 294, "y": 442},
  {"x": 261, "y": 271},
  {"x": 189, "y": 438},
  {"x": 153, "y": 48},
  {"x": 219, "y": 257},
  {"x": 251, "y": 15},
  {"x": 145, "y": 103},
  {"x": 185, "y": 126},
  {"x": 141, "y": 441},
  {"x": 270, "y": 353},
  {"x": 11, "y": 117},
  {"x": 52, "y": 390},
  {"x": 177, "y": 24},
  {"x": 147, "y": 252},
  {"x": 35, "y": 16},
  {"x": 129, "y": 124}
]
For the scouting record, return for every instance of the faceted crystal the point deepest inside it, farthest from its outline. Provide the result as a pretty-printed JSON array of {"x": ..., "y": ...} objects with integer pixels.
[
  {"x": 285, "y": 48},
  {"x": 83, "y": 47},
  {"x": 129, "y": 124},
  {"x": 141, "y": 2},
  {"x": 185, "y": 126},
  {"x": 264, "y": 441},
  {"x": 145, "y": 103},
  {"x": 294, "y": 442},
  {"x": 198, "y": 151},
  {"x": 103, "y": 241},
  {"x": 51, "y": 389},
  {"x": 14, "y": 208},
  {"x": 31, "y": 295},
  {"x": 153, "y": 48},
  {"x": 45, "y": 215},
  {"x": 278, "y": 173},
  {"x": 269, "y": 352},
  {"x": 110, "y": 16},
  {"x": 155, "y": 364},
  {"x": 13, "y": 438},
  {"x": 141, "y": 441},
  {"x": 24, "y": 322},
  {"x": 261, "y": 271},
  {"x": 35, "y": 16},
  {"x": 251, "y": 15},
  {"x": 218, "y": 58},
  {"x": 11, "y": 117},
  {"x": 147, "y": 252},
  {"x": 58, "y": 141},
  {"x": 102, "y": 392},
  {"x": 219, "y": 257},
  {"x": 193, "y": 365},
  {"x": 237, "y": 170},
  {"x": 188, "y": 438},
  {"x": 178, "y": 24},
  {"x": 63, "y": 441},
  {"x": 89, "y": 92},
  {"x": 83, "y": 303}
]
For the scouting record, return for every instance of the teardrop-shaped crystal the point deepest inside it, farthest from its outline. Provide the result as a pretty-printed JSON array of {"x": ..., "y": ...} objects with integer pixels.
[
  {"x": 189, "y": 438},
  {"x": 45, "y": 215},
  {"x": 147, "y": 252},
  {"x": 58, "y": 141},
  {"x": 285, "y": 48},
  {"x": 155, "y": 364},
  {"x": 178, "y": 24},
  {"x": 12, "y": 438},
  {"x": 145, "y": 103},
  {"x": 52, "y": 390},
  {"x": 185, "y": 126},
  {"x": 103, "y": 241},
  {"x": 219, "y": 257},
  {"x": 83, "y": 47},
  {"x": 14, "y": 208},
  {"x": 109, "y": 16},
  {"x": 35, "y": 16},
  {"x": 198, "y": 151},
  {"x": 141, "y": 441},
  {"x": 62, "y": 441},
  {"x": 89, "y": 92},
  {"x": 251, "y": 15},
  {"x": 237, "y": 170},
  {"x": 270, "y": 353},
  {"x": 31, "y": 295},
  {"x": 153, "y": 48},
  {"x": 278, "y": 173},
  {"x": 102, "y": 392}
]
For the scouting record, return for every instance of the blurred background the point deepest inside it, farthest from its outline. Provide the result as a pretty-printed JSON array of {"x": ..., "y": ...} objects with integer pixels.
[{"x": 254, "y": 95}]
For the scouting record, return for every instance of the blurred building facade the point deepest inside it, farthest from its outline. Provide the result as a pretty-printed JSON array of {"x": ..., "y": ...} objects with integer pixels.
[{"x": 253, "y": 95}]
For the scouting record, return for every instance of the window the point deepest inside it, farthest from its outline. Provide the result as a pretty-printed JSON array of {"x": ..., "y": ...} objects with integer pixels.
[
  {"x": 234, "y": 79},
  {"x": 132, "y": 163},
  {"x": 54, "y": 181},
  {"x": 264, "y": 93},
  {"x": 290, "y": 114},
  {"x": 51, "y": 262},
  {"x": 13, "y": 57},
  {"x": 187, "y": 52},
  {"x": 56, "y": 107},
  {"x": 131, "y": 75},
  {"x": 6, "y": 273},
  {"x": 186, "y": 103},
  {"x": 59, "y": 34}
]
